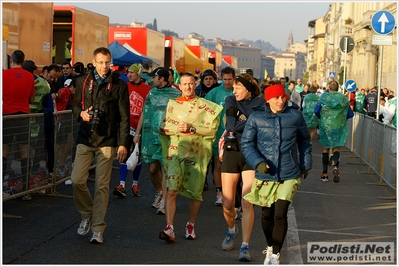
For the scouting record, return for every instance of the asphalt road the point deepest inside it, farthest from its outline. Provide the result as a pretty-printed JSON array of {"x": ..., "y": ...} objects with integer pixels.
[{"x": 358, "y": 209}]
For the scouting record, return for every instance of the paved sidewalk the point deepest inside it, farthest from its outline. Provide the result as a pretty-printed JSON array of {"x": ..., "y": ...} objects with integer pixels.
[{"x": 348, "y": 211}]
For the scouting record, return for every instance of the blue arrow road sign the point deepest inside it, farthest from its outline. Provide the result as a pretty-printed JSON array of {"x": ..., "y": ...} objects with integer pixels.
[
  {"x": 350, "y": 86},
  {"x": 383, "y": 22}
]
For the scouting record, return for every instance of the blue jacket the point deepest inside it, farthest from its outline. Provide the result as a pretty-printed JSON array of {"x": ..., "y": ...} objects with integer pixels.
[{"x": 276, "y": 139}]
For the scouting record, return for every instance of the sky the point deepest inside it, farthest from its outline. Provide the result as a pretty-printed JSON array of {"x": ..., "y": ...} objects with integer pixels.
[{"x": 253, "y": 20}]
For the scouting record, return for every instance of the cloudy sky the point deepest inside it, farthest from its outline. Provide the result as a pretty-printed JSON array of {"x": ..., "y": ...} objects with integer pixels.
[{"x": 253, "y": 20}]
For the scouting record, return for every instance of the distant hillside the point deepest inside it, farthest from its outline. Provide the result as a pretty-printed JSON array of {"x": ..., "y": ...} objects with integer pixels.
[{"x": 265, "y": 46}]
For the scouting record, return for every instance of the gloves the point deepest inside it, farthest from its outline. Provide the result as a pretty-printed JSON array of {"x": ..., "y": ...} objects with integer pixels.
[
  {"x": 304, "y": 173},
  {"x": 262, "y": 167}
]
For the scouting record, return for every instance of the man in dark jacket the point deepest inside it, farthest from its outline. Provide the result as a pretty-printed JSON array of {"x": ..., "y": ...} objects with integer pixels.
[
  {"x": 208, "y": 82},
  {"x": 101, "y": 105},
  {"x": 371, "y": 102}
]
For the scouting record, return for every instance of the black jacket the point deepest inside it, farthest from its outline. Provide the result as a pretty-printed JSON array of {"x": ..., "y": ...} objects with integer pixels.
[{"x": 112, "y": 98}]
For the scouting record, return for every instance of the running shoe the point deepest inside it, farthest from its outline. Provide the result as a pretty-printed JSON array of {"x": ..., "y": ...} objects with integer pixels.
[
  {"x": 161, "y": 209},
  {"x": 324, "y": 177},
  {"x": 337, "y": 177},
  {"x": 84, "y": 226},
  {"x": 135, "y": 190},
  {"x": 219, "y": 199},
  {"x": 275, "y": 259},
  {"x": 168, "y": 235},
  {"x": 190, "y": 232},
  {"x": 158, "y": 197},
  {"x": 228, "y": 242},
  {"x": 97, "y": 238},
  {"x": 244, "y": 254},
  {"x": 119, "y": 191},
  {"x": 268, "y": 252}
]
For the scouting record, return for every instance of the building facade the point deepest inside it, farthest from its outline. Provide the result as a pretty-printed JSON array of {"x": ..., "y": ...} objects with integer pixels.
[{"x": 362, "y": 64}]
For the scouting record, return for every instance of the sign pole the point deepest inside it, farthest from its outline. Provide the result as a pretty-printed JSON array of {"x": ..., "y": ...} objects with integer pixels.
[
  {"x": 379, "y": 80},
  {"x": 346, "y": 51}
]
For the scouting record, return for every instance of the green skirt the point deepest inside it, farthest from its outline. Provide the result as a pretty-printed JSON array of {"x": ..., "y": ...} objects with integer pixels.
[{"x": 265, "y": 193}]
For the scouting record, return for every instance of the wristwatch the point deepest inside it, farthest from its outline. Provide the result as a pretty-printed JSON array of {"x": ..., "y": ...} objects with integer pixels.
[{"x": 192, "y": 129}]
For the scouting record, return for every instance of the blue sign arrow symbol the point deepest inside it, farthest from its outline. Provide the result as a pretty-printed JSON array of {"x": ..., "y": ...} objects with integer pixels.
[
  {"x": 383, "y": 22},
  {"x": 383, "y": 19},
  {"x": 351, "y": 85}
]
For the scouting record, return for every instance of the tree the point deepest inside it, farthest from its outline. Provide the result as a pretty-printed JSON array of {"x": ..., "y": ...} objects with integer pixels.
[
  {"x": 154, "y": 25},
  {"x": 149, "y": 26},
  {"x": 170, "y": 33}
]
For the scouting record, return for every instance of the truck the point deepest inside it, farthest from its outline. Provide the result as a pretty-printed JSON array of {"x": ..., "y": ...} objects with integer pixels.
[
  {"x": 174, "y": 53},
  {"x": 88, "y": 30},
  {"x": 215, "y": 58},
  {"x": 231, "y": 61},
  {"x": 27, "y": 28},
  {"x": 146, "y": 41}
]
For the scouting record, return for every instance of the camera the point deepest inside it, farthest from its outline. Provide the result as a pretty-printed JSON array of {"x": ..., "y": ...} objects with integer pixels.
[{"x": 95, "y": 119}]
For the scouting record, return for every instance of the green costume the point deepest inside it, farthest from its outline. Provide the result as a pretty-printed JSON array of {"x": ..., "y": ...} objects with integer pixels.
[
  {"x": 310, "y": 101},
  {"x": 154, "y": 112},
  {"x": 359, "y": 100},
  {"x": 187, "y": 155},
  {"x": 217, "y": 95},
  {"x": 333, "y": 127}
]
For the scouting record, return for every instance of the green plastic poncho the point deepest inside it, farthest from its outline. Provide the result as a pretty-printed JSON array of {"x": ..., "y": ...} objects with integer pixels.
[
  {"x": 154, "y": 112},
  {"x": 359, "y": 100},
  {"x": 333, "y": 127},
  {"x": 145, "y": 76},
  {"x": 187, "y": 155},
  {"x": 311, "y": 119},
  {"x": 176, "y": 76}
]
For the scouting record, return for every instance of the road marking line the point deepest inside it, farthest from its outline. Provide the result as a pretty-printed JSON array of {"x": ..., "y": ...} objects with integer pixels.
[{"x": 293, "y": 246}]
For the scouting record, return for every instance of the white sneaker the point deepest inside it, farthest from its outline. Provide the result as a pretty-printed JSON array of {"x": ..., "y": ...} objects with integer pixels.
[
  {"x": 84, "y": 226},
  {"x": 161, "y": 209},
  {"x": 97, "y": 238},
  {"x": 275, "y": 259},
  {"x": 268, "y": 251},
  {"x": 158, "y": 198},
  {"x": 190, "y": 232},
  {"x": 219, "y": 199}
]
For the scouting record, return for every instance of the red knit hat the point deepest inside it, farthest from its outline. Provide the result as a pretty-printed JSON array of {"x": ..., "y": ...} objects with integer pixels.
[{"x": 275, "y": 90}]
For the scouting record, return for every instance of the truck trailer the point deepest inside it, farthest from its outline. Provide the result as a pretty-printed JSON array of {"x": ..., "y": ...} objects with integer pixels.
[
  {"x": 145, "y": 41},
  {"x": 88, "y": 30},
  {"x": 28, "y": 28}
]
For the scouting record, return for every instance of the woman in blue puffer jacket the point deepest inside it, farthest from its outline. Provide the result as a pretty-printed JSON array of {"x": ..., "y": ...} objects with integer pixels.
[{"x": 273, "y": 135}]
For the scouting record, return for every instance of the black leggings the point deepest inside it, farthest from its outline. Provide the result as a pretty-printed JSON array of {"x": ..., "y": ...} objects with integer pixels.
[{"x": 275, "y": 224}]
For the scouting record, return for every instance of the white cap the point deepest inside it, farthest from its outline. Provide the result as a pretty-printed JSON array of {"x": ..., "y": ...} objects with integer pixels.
[{"x": 68, "y": 82}]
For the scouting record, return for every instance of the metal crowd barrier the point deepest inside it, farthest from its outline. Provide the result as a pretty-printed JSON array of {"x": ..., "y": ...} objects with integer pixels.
[
  {"x": 375, "y": 144},
  {"x": 41, "y": 176}
]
